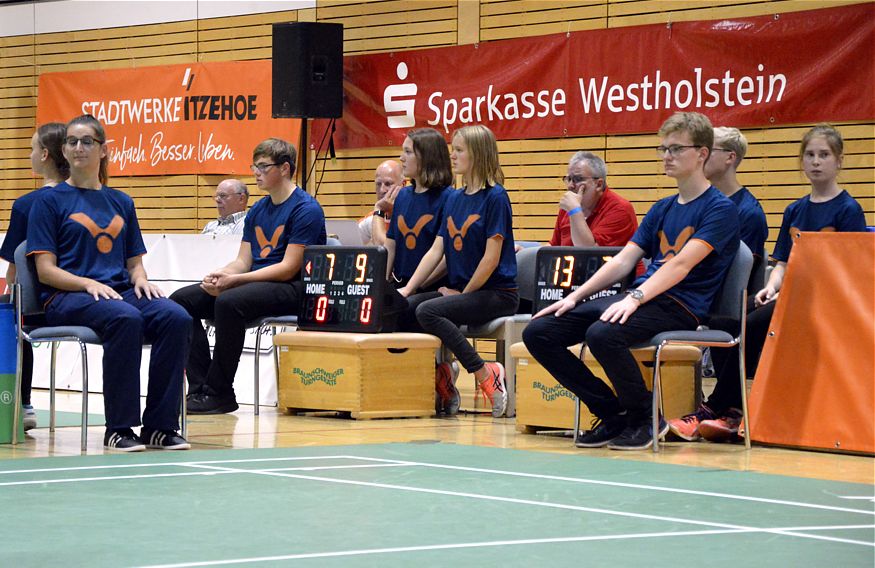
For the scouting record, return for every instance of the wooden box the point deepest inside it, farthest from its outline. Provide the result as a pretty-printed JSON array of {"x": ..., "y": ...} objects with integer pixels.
[
  {"x": 544, "y": 403},
  {"x": 386, "y": 375}
]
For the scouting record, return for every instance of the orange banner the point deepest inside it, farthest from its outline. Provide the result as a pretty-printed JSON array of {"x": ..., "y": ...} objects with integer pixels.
[
  {"x": 814, "y": 386},
  {"x": 173, "y": 119}
]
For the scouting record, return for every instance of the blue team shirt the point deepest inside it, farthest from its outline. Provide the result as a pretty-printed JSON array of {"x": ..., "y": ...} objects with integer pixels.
[
  {"x": 752, "y": 224},
  {"x": 669, "y": 225},
  {"x": 270, "y": 228},
  {"x": 92, "y": 233},
  {"x": 416, "y": 219},
  {"x": 842, "y": 213},
  {"x": 469, "y": 221},
  {"x": 17, "y": 231}
]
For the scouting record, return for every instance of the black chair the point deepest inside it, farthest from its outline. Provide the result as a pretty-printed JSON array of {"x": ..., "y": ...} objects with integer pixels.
[
  {"x": 28, "y": 305},
  {"x": 508, "y": 330},
  {"x": 731, "y": 301}
]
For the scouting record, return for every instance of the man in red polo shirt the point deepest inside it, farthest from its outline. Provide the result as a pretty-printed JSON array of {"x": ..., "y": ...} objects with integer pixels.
[{"x": 591, "y": 214}]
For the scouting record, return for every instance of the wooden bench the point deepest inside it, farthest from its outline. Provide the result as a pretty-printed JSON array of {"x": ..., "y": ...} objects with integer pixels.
[
  {"x": 386, "y": 375},
  {"x": 542, "y": 403}
]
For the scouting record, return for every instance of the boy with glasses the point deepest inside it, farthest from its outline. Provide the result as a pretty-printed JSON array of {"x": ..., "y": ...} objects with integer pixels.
[
  {"x": 231, "y": 199},
  {"x": 691, "y": 239},
  {"x": 590, "y": 214},
  {"x": 730, "y": 148},
  {"x": 261, "y": 281}
]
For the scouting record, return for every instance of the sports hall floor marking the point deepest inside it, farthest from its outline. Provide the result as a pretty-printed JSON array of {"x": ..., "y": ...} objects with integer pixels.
[
  {"x": 213, "y": 468},
  {"x": 399, "y": 463},
  {"x": 483, "y": 544}
]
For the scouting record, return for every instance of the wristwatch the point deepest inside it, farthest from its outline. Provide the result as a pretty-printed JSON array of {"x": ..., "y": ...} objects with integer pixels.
[
  {"x": 636, "y": 294},
  {"x": 379, "y": 213}
]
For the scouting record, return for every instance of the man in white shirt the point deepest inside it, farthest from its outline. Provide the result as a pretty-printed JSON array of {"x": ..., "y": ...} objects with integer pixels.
[{"x": 231, "y": 199}]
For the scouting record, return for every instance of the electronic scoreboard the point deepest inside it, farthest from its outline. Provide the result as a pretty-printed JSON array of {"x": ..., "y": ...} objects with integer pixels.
[
  {"x": 561, "y": 270},
  {"x": 344, "y": 288}
]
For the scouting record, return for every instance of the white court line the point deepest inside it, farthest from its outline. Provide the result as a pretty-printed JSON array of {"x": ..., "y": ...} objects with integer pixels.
[
  {"x": 629, "y": 486},
  {"x": 161, "y": 464},
  {"x": 542, "y": 504},
  {"x": 437, "y": 547},
  {"x": 189, "y": 474},
  {"x": 484, "y": 544},
  {"x": 462, "y": 468}
]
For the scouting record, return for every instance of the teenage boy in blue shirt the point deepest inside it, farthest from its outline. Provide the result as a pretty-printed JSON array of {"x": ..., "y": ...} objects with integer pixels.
[
  {"x": 691, "y": 239},
  {"x": 261, "y": 281}
]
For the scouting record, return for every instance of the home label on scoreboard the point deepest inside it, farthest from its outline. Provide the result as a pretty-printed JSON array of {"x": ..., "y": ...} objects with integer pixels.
[
  {"x": 562, "y": 270},
  {"x": 344, "y": 288}
]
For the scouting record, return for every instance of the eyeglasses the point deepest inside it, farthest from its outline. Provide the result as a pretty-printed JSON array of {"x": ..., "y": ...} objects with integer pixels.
[
  {"x": 674, "y": 149},
  {"x": 722, "y": 150},
  {"x": 576, "y": 180},
  {"x": 226, "y": 196},
  {"x": 261, "y": 168},
  {"x": 87, "y": 142}
]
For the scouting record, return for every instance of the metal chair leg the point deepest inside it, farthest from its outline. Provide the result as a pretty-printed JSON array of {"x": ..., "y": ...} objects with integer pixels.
[
  {"x": 744, "y": 415},
  {"x": 276, "y": 354},
  {"x": 656, "y": 398},
  {"x": 183, "y": 411},
  {"x": 257, "y": 385},
  {"x": 84, "y": 396},
  {"x": 52, "y": 386},
  {"x": 19, "y": 353}
]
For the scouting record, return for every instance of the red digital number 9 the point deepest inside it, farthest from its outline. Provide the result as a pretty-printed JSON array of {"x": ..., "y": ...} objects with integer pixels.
[
  {"x": 321, "y": 308},
  {"x": 365, "y": 312}
]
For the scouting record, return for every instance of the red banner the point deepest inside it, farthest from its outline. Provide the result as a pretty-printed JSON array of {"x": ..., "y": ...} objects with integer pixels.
[
  {"x": 791, "y": 68},
  {"x": 172, "y": 119}
]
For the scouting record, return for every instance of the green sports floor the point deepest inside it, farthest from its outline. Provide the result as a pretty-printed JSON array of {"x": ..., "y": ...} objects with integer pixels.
[{"x": 420, "y": 505}]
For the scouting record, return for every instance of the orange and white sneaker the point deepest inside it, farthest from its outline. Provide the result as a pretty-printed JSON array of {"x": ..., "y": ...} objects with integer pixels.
[
  {"x": 448, "y": 398},
  {"x": 723, "y": 429},
  {"x": 687, "y": 427},
  {"x": 495, "y": 389}
]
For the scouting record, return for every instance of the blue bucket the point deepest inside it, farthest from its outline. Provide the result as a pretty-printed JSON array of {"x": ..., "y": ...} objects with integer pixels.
[{"x": 8, "y": 342}]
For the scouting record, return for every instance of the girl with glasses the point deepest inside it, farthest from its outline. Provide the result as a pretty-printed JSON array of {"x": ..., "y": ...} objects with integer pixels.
[{"x": 88, "y": 249}]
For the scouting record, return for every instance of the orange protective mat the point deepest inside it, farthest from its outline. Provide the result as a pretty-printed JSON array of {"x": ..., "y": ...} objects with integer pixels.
[{"x": 815, "y": 385}]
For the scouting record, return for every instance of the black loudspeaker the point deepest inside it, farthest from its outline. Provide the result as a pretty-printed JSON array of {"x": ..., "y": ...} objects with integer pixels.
[{"x": 307, "y": 79}]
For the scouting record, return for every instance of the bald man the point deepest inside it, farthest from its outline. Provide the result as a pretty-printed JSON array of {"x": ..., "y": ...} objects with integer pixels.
[
  {"x": 388, "y": 180},
  {"x": 231, "y": 199}
]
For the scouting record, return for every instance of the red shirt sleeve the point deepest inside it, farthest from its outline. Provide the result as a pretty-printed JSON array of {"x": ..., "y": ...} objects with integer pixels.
[{"x": 562, "y": 231}]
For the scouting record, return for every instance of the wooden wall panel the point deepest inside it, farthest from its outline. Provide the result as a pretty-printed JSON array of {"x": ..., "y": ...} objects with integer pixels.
[{"x": 533, "y": 167}]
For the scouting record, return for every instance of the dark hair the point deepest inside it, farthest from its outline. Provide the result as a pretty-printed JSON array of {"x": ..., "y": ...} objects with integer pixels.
[
  {"x": 50, "y": 138},
  {"x": 278, "y": 151},
  {"x": 432, "y": 156},
  {"x": 94, "y": 124}
]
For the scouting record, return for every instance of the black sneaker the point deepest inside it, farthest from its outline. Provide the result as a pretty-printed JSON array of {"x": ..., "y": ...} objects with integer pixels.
[
  {"x": 163, "y": 439},
  {"x": 212, "y": 404},
  {"x": 602, "y": 432},
  {"x": 123, "y": 441},
  {"x": 638, "y": 437}
]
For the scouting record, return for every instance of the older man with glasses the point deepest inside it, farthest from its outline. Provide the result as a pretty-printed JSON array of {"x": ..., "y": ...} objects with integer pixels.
[
  {"x": 590, "y": 214},
  {"x": 231, "y": 199}
]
